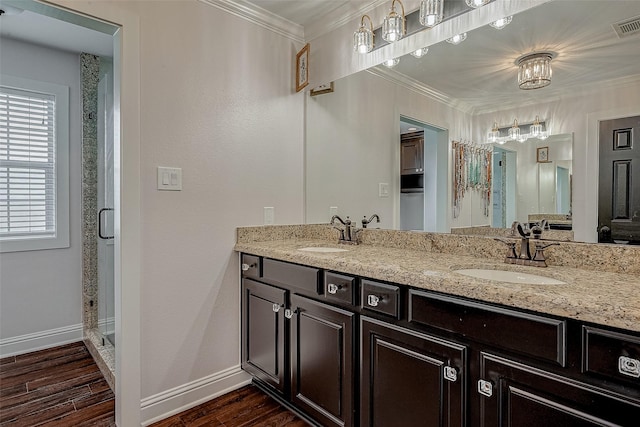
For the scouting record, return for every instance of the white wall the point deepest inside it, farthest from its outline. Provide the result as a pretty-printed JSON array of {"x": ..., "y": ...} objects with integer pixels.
[
  {"x": 41, "y": 291},
  {"x": 223, "y": 109},
  {"x": 353, "y": 144}
]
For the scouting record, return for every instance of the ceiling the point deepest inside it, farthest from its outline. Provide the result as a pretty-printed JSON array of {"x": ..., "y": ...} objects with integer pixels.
[{"x": 481, "y": 71}]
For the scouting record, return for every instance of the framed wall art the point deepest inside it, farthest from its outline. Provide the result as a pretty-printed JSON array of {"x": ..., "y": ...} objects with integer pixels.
[
  {"x": 542, "y": 155},
  {"x": 302, "y": 68}
]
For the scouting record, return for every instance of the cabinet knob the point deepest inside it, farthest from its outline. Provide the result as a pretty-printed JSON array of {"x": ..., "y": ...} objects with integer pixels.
[
  {"x": 288, "y": 313},
  {"x": 245, "y": 267},
  {"x": 628, "y": 366},
  {"x": 450, "y": 374},
  {"x": 373, "y": 300},
  {"x": 485, "y": 388},
  {"x": 333, "y": 288},
  {"x": 276, "y": 308}
]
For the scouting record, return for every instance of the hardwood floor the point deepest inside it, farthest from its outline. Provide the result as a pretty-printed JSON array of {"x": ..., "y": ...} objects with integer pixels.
[{"x": 62, "y": 386}]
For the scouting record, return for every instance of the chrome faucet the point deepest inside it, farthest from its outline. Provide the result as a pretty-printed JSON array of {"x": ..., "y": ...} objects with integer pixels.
[
  {"x": 366, "y": 221},
  {"x": 348, "y": 233}
]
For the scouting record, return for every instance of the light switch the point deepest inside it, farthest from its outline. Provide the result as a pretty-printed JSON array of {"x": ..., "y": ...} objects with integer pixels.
[
  {"x": 383, "y": 189},
  {"x": 169, "y": 178},
  {"x": 269, "y": 215}
]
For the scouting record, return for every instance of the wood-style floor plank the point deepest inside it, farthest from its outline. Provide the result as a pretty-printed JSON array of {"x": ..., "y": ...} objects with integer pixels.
[{"x": 63, "y": 387}]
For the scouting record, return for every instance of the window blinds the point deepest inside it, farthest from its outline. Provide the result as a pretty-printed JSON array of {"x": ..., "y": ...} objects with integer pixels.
[{"x": 27, "y": 164}]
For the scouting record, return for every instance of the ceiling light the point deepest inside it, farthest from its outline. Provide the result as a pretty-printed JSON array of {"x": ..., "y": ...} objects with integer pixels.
[
  {"x": 431, "y": 12},
  {"x": 363, "y": 37},
  {"x": 501, "y": 23},
  {"x": 534, "y": 71},
  {"x": 390, "y": 63},
  {"x": 457, "y": 39},
  {"x": 412, "y": 129},
  {"x": 476, "y": 3},
  {"x": 420, "y": 52},
  {"x": 394, "y": 25}
]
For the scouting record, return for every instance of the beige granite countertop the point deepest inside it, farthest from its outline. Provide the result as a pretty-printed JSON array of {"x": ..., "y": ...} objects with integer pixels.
[{"x": 606, "y": 298}]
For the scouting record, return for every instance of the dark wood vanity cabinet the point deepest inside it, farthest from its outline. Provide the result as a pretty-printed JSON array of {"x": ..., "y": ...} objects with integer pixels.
[
  {"x": 349, "y": 351},
  {"x": 410, "y": 379}
]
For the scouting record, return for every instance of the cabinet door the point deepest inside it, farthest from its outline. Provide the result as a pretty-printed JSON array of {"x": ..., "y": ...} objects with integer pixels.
[
  {"x": 516, "y": 394},
  {"x": 322, "y": 360},
  {"x": 263, "y": 333},
  {"x": 411, "y": 156},
  {"x": 410, "y": 379}
]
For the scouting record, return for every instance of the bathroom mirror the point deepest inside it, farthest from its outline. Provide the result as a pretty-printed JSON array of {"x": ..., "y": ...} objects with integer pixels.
[{"x": 458, "y": 92}]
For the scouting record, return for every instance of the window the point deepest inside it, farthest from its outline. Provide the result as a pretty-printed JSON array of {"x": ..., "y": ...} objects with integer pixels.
[{"x": 34, "y": 165}]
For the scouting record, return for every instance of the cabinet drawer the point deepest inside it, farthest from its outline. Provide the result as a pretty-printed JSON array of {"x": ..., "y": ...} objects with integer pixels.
[
  {"x": 305, "y": 279},
  {"x": 611, "y": 354},
  {"x": 541, "y": 337},
  {"x": 250, "y": 266},
  {"x": 381, "y": 298},
  {"x": 339, "y": 288}
]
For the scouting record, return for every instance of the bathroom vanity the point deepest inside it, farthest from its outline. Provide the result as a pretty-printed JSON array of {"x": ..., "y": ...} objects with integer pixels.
[{"x": 381, "y": 336}]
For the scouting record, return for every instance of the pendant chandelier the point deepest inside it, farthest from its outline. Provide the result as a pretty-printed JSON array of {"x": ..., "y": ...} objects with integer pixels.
[{"x": 534, "y": 71}]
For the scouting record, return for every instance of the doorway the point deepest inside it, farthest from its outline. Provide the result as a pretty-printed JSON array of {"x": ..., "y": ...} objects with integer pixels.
[{"x": 503, "y": 187}]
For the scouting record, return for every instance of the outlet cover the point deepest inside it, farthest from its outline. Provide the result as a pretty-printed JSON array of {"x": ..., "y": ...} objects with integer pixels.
[
  {"x": 269, "y": 215},
  {"x": 383, "y": 189},
  {"x": 169, "y": 178}
]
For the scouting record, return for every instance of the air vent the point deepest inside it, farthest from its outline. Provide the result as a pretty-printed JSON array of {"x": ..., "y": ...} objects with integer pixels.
[{"x": 627, "y": 27}]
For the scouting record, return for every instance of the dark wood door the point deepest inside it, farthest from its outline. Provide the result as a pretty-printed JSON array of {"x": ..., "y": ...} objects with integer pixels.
[
  {"x": 410, "y": 379},
  {"x": 619, "y": 180},
  {"x": 523, "y": 396},
  {"x": 263, "y": 333},
  {"x": 411, "y": 154},
  {"x": 322, "y": 360}
]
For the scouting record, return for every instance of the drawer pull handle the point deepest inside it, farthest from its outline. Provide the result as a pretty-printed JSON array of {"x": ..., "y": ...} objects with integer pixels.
[
  {"x": 628, "y": 366},
  {"x": 246, "y": 267},
  {"x": 333, "y": 288},
  {"x": 485, "y": 388},
  {"x": 450, "y": 374},
  {"x": 288, "y": 313},
  {"x": 276, "y": 308},
  {"x": 373, "y": 300}
]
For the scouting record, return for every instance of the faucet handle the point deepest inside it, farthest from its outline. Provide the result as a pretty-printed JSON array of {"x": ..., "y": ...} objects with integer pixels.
[
  {"x": 539, "y": 254},
  {"x": 511, "y": 247}
]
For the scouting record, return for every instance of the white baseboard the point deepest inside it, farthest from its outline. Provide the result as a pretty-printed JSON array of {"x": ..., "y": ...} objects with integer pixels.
[
  {"x": 40, "y": 340},
  {"x": 173, "y": 401}
]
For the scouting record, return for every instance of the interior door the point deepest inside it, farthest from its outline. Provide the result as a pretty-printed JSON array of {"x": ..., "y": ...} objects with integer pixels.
[{"x": 619, "y": 192}]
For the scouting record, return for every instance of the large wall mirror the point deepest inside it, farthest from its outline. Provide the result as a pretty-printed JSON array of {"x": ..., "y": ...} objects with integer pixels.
[{"x": 457, "y": 93}]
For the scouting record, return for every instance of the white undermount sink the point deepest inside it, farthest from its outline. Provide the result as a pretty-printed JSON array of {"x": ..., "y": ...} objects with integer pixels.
[
  {"x": 322, "y": 249},
  {"x": 509, "y": 276}
]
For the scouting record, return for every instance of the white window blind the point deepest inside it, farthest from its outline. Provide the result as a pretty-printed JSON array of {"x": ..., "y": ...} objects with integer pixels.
[{"x": 27, "y": 164}]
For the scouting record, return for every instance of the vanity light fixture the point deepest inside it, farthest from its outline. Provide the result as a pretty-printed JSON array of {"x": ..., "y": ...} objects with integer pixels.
[
  {"x": 534, "y": 71},
  {"x": 390, "y": 63},
  {"x": 363, "y": 37},
  {"x": 536, "y": 131},
  {"x": 420, "y": 52},
  {"x": 501, "y": 23},
  {"x": 457, "y": 39},
  {"x": 431, "y": 12},
  {"x": 394, "y": 26},
  {"x": 476, "y": 3}
]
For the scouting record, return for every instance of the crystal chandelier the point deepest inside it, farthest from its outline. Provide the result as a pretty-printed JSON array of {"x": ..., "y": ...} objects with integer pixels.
[
  {"x": 534, "y": 71},
  {"x": 363, "y": 37},
  {"x": 431, "y": 12},
  {"x": 394, "y": 25}
]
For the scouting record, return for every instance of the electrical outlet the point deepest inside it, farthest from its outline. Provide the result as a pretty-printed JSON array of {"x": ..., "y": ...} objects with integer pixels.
[
  {"x": 269, "y": 215},
  {"x": 383, "y": 189}
]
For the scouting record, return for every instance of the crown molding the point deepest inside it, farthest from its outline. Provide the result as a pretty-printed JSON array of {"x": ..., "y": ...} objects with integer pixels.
[
  {"x": 259, "y": 16},
  {"x": 420, "y": 88}
]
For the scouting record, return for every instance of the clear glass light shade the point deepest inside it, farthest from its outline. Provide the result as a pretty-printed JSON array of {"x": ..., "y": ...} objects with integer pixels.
[
  {"x": 476, "y": 3},
  {"x": 535, "y": 130},
  {"x": 393, "y": 27},
  {"x": 431, "y": 12},
  {"x": 390, "y": 63},
  {"x": 420, "y": 52},
  {"x": 494, "y": 134},
  {"x": 457, "y": 39},
  {"x": 514, "y": 131},
  {"x": 501, "y": 23},
  {"x": 363, "y": 40},
  {"x": 534, "y": 71}
]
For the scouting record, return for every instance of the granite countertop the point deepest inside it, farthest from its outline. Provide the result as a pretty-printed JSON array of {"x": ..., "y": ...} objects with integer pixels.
[{"x": 604, "y": 298}]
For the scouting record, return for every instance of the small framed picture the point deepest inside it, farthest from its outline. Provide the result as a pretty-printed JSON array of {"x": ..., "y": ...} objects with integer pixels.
[
  {"x": 319, "y": 90},
  {"x": 542, "y": 155},
  {"x": 302, "y": 68}
]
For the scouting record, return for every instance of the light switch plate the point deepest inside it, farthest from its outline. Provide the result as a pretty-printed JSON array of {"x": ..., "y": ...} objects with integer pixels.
[
  {"x": 383, "y": 189},
  {"x": 269, "y": 215},
  {"x": 169, "y": 178}
]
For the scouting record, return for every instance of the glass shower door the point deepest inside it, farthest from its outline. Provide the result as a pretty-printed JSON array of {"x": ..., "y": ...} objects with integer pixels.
[{"x": 105, "y": 203}]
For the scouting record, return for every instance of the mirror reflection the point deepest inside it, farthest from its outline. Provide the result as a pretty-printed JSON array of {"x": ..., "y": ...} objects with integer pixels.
[{"x": 354, "y": 148}]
